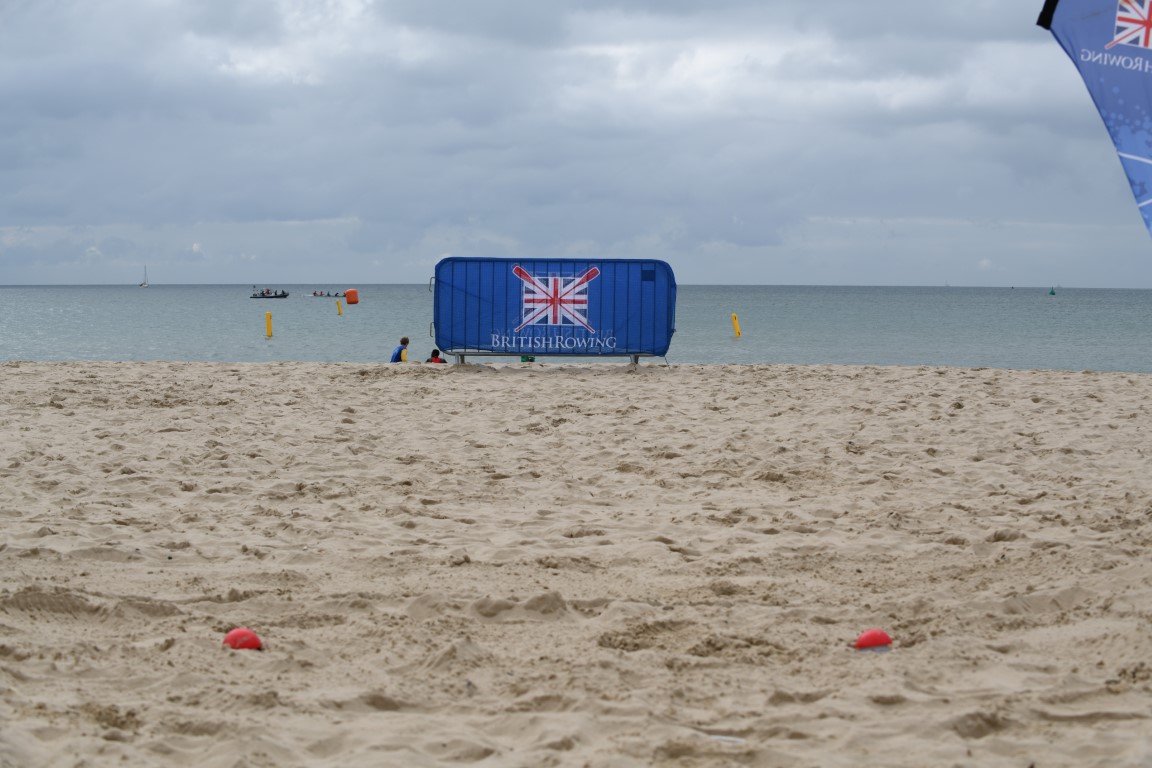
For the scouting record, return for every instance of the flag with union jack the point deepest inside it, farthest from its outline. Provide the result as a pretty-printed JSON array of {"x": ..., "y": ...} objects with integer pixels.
[
  {"x": 556, "y": 300},
  {"x": 1133, "y": 24}
]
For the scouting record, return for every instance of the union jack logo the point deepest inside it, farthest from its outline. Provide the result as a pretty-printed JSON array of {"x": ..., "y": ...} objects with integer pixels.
[
  {"x": 556, "y": 300},
  {"x": 1133, "y": 24}
]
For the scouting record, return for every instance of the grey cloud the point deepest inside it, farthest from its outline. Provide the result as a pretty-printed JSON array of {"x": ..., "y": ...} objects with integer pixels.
[
  {"x": 240, "y": 20},
  {"x": 520, "y": 22},
  {"x": 699, "y": 132}
]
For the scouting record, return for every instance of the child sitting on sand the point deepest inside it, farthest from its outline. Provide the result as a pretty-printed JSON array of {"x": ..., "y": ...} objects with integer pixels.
[{"x": 400, "y": 354}]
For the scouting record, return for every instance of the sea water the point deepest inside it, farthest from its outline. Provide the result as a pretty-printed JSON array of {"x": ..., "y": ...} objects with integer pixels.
[{"x": 1072, "y": 329}]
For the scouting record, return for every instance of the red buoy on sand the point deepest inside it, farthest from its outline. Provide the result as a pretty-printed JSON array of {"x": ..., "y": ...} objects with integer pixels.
[
  {"x": 243, "y": 638},
  {"x": 873, "y": 638}
]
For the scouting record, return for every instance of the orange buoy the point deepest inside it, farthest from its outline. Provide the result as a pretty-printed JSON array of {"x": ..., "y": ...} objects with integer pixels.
[{"x": 352, "y": 296}]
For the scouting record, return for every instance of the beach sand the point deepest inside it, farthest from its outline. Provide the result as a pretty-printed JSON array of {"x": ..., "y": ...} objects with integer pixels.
[{"x": 561, "y": 565}]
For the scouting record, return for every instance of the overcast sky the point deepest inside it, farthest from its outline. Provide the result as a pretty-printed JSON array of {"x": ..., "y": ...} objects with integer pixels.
[{"x": 843, "y": 142}]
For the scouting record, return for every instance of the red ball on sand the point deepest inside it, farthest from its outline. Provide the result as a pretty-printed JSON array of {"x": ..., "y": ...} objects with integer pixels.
[
  {"x": 873, "y": 638},
  {"x": 242, "y": 638}
]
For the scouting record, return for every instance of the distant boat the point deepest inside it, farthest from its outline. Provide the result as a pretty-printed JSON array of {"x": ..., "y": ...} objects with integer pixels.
[
  {"x": 145, "y": 283},
  {"x": 1051, "y": 291},
  {"x": 268, "y": 293}
]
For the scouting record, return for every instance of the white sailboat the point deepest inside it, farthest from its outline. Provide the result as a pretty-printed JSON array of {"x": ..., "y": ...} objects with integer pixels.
[{"x": 145, "y": 283}]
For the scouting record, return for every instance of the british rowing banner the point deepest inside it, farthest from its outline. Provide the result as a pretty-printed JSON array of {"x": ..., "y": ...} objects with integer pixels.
[
  {"x": 554, "y": 306},
  {"x": 1110, "y": 42}
]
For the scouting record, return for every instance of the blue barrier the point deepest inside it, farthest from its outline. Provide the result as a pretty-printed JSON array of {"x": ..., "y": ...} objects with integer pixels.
[{"x": 529, "y": 307}]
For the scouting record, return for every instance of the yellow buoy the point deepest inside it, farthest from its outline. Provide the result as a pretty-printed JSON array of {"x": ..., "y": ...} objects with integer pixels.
[
  {"x": 268, "y": 323},
  {"x": 736, "y": 324},
  {"x": 339, "y": 309}
]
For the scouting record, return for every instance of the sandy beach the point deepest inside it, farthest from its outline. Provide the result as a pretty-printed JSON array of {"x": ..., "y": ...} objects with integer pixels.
[{"x": 604, "y": 566}]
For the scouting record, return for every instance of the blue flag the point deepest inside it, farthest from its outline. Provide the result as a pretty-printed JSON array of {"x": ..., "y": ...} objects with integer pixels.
[{"x": 1110, "y": 42}]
